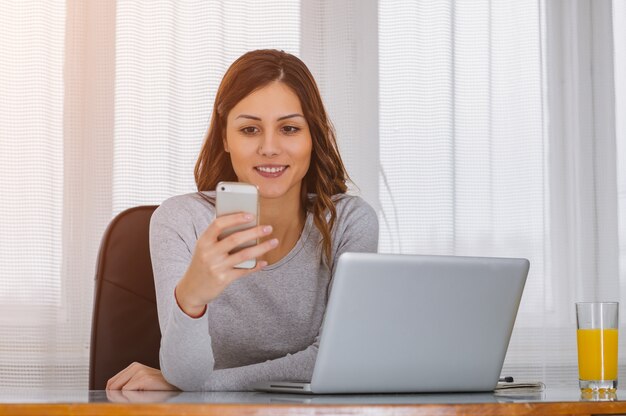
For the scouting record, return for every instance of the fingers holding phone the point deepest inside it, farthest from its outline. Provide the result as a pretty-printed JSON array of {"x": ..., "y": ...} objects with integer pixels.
[
  {"x": 227, "y": 250},
  {"x": 241, "y": 253}
]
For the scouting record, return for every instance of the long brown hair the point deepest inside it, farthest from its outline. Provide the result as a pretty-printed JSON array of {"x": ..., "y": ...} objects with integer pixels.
[{"x": 327, "y": 174}]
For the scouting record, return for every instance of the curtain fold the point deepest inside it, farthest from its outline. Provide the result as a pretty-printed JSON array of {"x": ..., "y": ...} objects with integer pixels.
[
  {"x": 339, "y": 44},
  {"x": 619, "y": 47},
  {"x": 582, "y": 164},
  {"x": 88, "y": 141}
]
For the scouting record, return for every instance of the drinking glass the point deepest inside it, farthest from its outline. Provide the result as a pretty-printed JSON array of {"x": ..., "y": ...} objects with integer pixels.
[{"x": 597, "y": 324}]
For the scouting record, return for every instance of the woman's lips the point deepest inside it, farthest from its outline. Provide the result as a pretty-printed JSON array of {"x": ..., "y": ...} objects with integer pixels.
[{"x": 271, "y": 171}]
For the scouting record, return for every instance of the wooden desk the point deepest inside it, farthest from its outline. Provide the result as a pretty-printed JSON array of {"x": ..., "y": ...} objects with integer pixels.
[{"x": 550, "y": 402}]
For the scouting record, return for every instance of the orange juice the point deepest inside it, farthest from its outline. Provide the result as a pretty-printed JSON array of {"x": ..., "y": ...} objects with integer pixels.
[{"x": 597, "y": 354}]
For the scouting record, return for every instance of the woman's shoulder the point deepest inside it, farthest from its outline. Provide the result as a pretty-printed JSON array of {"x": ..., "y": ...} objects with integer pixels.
[
  {"x": 192, "y": 200},
  {"x": 186, "y": 205},
  {"x": 357, "y": 224},
  {"x": 352, "y": 204},
  {"x": 351, "y": 208}
]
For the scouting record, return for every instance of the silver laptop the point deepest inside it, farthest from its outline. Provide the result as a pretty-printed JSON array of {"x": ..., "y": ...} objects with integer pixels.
[{"x": 412, "y": 323}]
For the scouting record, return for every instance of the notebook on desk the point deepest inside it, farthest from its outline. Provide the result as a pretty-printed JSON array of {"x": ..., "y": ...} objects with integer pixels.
[{"x": 410, "y": 323}]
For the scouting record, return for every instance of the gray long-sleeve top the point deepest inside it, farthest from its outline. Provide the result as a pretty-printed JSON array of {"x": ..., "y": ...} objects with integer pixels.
[{"x": 264, "y": 326}]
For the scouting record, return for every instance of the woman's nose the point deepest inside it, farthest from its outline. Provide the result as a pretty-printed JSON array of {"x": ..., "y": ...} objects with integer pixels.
[{"x": 269, "y": 144}]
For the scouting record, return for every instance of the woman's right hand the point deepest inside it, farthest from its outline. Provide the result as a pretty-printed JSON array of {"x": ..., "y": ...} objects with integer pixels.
[{"x": 212, "y": 268}]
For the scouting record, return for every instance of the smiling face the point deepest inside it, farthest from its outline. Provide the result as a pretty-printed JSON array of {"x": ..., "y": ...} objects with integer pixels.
[{"x": 269, "y": 141}]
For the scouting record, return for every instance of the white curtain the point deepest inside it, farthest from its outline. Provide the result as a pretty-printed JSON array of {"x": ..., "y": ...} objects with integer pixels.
[
  {"x": 619, "y": 49},
  {"x": 463, "y": 146},
  {"x": 473, "y": 127},
  {"x": 619, "y": 30}
]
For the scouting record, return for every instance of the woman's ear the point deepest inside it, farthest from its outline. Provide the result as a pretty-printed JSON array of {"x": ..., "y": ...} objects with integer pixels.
[{"x": 225, "y": 146}]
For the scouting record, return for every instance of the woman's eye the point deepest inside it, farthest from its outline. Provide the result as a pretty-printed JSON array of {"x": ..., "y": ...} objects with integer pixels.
[
  {"x": 249, "y": 130},
  {"x": 290, "y": 129}
]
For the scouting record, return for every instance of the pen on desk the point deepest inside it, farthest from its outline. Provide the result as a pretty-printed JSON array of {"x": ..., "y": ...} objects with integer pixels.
[{"x": 505, "y": 380}]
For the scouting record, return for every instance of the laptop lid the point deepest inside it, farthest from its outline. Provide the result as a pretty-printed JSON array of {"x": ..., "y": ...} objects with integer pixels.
[{"x": 412, "y": 323}]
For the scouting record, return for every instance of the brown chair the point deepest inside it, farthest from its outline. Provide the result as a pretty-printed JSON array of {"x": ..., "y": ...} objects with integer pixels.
[{"x": 125, "y": 325}]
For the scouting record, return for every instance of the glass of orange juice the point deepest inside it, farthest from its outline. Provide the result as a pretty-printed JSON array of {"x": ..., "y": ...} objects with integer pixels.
[{"x": 597, "y": 324}]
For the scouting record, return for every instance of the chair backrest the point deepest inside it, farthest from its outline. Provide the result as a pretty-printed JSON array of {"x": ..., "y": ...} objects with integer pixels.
[{"x": 125, "y": 325}]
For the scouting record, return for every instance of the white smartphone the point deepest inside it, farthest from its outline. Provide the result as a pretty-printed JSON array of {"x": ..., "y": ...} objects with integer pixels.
[{"x": 233, "y": 197}]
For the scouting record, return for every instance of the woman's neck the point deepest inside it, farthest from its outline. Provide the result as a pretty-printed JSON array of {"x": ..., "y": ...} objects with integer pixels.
[{"x": 287, "y": 219}]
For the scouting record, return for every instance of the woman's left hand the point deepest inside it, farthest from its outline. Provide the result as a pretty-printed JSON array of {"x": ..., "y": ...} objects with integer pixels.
[{"x": 139, "y": 377}]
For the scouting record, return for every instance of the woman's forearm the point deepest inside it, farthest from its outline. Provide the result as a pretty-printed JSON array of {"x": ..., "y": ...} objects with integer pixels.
[{"x": 186, "y": 355}]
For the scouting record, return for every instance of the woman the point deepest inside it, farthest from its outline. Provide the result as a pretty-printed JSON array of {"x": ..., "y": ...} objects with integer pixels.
[{"x": 225, "y": 328}]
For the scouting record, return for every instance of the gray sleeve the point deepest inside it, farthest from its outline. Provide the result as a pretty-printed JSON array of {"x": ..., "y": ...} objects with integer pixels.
[
  {"x": 358, "y": 227},
  {"x": 357, "y": 231},
  {"x": 294, "y": 367},
  {"x": 186, "y": 356}
]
